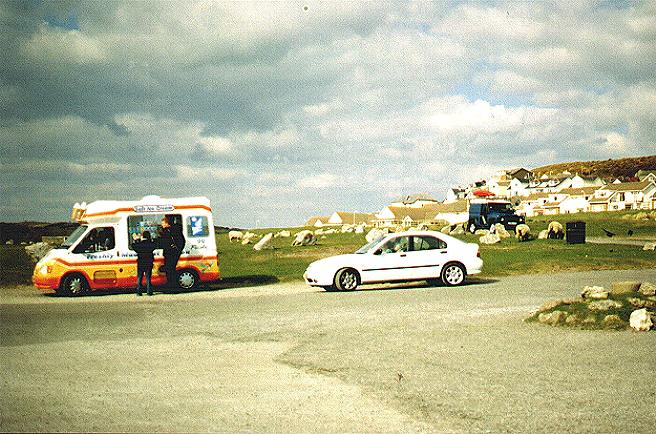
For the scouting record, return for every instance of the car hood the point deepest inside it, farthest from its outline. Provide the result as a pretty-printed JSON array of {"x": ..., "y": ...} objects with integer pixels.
[
  {"x": 351, "y": 259},
  {"x": 52, "y": 254}
]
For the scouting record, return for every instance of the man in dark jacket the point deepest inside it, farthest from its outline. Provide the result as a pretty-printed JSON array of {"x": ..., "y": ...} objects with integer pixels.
[
  {"x": 172, "y": 241},
  {"x": 144, "y": 247}
]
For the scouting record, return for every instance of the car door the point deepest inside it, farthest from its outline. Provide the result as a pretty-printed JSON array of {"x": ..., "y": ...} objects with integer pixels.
[
  {"x": 426, "y": 256},
  {"x": 389, "y": 263}
]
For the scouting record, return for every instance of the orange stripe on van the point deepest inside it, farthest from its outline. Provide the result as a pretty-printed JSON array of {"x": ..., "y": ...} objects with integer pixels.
[
  {"x": 118, "y": 210},
  {"x": 129, "y": 261}
]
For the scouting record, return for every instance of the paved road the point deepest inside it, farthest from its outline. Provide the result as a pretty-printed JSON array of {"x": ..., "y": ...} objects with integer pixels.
[{"x": 288, "y": 358}]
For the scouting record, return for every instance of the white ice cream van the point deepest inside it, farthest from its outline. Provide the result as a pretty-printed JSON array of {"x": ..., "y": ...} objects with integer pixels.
[{"x": 98, "y": 255}]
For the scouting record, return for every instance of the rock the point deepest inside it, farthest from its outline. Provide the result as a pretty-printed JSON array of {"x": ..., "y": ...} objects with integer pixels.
[
  {"x": 375, "y": 234},
  {"x": 649, "y": 246},
  {"x": 318, "y": 232},
  {"x": 458, "y": 230},
  {"x": 549, "y": 305},
  {"x": 553, "y": 318},
  {"x": 642, "y": 216},
  {"x": 422, "y": 227},
  {"x": 572, "y": 320},
  {"x": 347, "y": 229},
  {"x": 245, "y": 241},
  {"x": 594, "y": 292},
  {"x": 38, "y": 250},
  {"x": 304, "y": 238},
  {"x": 285, "y": 234},
  {"x": 359, "y": 229},
  {"x": 330, "y": 231},
  {"x": 489, "y": 239},
  {"x": 9, "y": 242},
  {"x": 640, "y": 320},
  {"x": 481, "y": 232},
  {"x": 446, "y": 230},
  {"x": 626, "y": 287},
  {"x": 640, "y": 303},
  {"x": 542, "y": 235},
  {"x": 647, "y": 289},
  {"x": 264, "y": 243},
  {"x": 500, "y": 230},
  {"x": 613, "y": 321},
  {"x": 604, "y": 305}
]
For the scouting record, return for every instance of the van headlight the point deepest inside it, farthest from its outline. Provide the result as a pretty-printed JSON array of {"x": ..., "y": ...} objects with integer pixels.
[{"x": 45, "y": 269}]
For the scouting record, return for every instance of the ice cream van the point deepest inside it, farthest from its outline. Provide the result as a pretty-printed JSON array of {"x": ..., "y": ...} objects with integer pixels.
[{"x": 98, "y": 255}]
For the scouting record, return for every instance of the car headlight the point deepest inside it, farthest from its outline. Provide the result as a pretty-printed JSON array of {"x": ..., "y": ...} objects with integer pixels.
[{"x": 45, "y": 269}]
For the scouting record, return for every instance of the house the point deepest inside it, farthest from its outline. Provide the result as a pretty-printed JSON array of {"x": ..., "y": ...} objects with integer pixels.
[
  {"x": 406, "y": 216},
  {"x": 454, "y": 194},
  {"x": 452, "y": 213},
  {"x": 531, "y": 205},
  {"x": 414, "y": 200},
  {"x": 646, "y": 175},
  {"x": 628, "y": 195},
  {"x": 317, "y": 221},
  {"x": 350, "y": 218}
]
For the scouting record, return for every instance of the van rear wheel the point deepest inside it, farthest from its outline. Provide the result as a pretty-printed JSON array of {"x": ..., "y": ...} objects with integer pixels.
[
  {"x": 73, "y": 284},
  {"x": 187, "y": 279}
]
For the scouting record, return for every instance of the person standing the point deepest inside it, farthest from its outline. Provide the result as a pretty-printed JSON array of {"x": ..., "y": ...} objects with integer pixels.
[
  {"x": 144, "y": 247},
  {"x": 172, "y": 241}
]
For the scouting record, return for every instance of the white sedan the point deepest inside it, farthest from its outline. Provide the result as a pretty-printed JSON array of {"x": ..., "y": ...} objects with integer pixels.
[{"x": 404, "y": 256}]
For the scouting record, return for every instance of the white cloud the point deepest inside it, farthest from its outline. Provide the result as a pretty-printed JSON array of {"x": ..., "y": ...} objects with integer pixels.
[
  {"x": 53, "y": 46},
  {"x": 323, "y": 180}
]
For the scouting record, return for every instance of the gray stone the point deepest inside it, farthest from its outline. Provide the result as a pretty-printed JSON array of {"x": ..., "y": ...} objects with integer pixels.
[
  {"x": 553, "y": 318},
  {"x": 613, "y": 321},
  {"x": 648, "y": 289},
  {"x": 304, "y": 238},
  {"x": 264, "y": 243},
  {"x": 640, "y": 320},
  {"x": 481, "y": 232},
  {"x": 38, "y": 250},
  {"x": 489, "y": 239},
  {"x": 542, "y": 235},
  {"x": 604, "y": 305},
  {"x": 626, "y": 287},
  {"x": 649, "y": 246},
  {"x": 594, "y": 292}
]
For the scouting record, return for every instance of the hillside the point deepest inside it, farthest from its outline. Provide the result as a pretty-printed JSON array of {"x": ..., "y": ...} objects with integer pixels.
[{"x": 624, "y": 168}]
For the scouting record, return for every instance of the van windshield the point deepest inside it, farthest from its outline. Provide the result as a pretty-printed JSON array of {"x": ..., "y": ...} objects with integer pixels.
[
  {"x": 72, "y": 238},
  {"x": 502, "y": 208}
]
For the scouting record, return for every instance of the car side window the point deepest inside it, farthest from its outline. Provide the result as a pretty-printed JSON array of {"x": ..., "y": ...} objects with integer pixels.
[
  {"x": 428, "y": 243},
  {"x": 97, "y": 240},
  {"x": 399, "y": 244}
]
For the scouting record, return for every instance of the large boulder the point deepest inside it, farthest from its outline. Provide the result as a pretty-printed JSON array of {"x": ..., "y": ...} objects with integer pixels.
[
  {"x": 614, "y": 322},
  {"x": 284, "y": 234},
  {"x": 264, "y": 243},
  {"x": 594, "y": 292},
  {"x": 500, "y": 230},
  {"x": 489, "y": 239},
  {"x": 627, "y": 287},
  {"x": 359, "y": 229},
  {"x": 640, "y": 320},
  {"x": 458, "y": 230},
  {"x": 38, "y": 250},
  {"x": 376, "y": 233},
  {"x": 648, "y": 289},
  {"x": 543, "y": 234},
  {"x": 304, "y": 238},
  {"x": 553, "y": 318},
  {"x": 649, "y": 246},
  {"x": 481, "y": 232}
]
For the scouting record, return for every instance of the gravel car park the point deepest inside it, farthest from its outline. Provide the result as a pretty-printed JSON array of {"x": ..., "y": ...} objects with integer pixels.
[{"x": 405, "y": 256}]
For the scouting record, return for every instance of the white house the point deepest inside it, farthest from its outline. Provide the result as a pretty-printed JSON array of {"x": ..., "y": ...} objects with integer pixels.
[
  {"x": 453, "y": 213},
  {"x": 406, "y": 216},
  {"x": 350, "y": 218},
  {"x": 455, "y": 194},
  {"x": 625, "y": 195},
  {"x": 317, "y": 221}
]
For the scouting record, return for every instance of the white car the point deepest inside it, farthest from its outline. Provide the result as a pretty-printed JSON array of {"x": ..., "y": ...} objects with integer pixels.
[{"x": 405, "y": 256}]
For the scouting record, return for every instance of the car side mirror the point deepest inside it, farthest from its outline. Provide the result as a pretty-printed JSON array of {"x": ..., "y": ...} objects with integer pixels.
[{"x": 378, "y": 252}]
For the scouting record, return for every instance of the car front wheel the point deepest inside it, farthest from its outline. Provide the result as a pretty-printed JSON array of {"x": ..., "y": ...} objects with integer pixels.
[
  {"x": 453, "y": 274},
  {"x": 74, "y": 284},
  {"x": 346, "y": 279},
  {"x": 187, "y": 279}
]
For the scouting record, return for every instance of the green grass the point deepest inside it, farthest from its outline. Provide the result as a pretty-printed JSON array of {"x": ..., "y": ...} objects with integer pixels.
[{"x": 287, "y": 263}]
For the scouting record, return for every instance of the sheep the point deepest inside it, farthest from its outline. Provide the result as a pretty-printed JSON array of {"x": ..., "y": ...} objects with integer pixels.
[
  {"x": 523, "y": 232},
  {"x": 555, "y": 231},
  {"x": 235, "y": 236}
]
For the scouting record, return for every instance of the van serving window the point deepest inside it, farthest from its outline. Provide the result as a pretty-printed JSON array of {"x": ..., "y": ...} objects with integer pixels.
[
  {"x": 152, "y": 223},
  {"x": 197, "y": 226}
]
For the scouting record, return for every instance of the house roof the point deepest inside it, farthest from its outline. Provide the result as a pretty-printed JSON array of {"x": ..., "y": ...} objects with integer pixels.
[
  {"x": 551, "y": 204},
  {"x": 628, "y": 186},
  {"x": 453, "y": 207},
  {"x": 313, "y": 220},
  {"x": 355, "y": 217},
  {"x": 426, "y": 212},
  {"x": 579, "y": 191},
  {"x": 599, "y": 200},
  {"x": 412, "y": 198}
]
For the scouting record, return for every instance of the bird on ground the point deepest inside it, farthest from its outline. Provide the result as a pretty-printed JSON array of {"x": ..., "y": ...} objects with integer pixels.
[
  {"x": 630, "y": 232},
  {"x": 608, "y": 233}
]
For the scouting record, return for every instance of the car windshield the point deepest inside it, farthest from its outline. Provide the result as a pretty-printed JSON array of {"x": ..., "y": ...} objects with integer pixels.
[
  {"x": 368, "y": 246},
  {"x": 72, "y": 238},
  {"x": 504, "y": 208}
]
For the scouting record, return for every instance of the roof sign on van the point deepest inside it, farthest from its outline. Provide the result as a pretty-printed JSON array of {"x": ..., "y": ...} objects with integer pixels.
[{"x": 153, "y": 208}]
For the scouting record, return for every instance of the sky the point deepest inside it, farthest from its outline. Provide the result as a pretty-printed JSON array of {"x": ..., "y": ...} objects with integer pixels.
[{"x": 278, "y": 111}]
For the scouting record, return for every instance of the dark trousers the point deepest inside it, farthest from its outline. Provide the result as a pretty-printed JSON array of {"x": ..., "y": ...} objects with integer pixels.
[
  {"x": 170, "y": 263},
  {"x": 144, "y": 270}
]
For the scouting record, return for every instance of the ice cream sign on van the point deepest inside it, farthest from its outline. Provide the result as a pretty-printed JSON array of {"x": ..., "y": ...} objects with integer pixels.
[{"x": 98, "y": 253}]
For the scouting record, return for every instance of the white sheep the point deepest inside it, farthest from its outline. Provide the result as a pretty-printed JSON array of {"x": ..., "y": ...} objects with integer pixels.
[
  {"x": 235, "y": 236},
  {"x": 523, "y": 232},
  {"x": 555, "y": 231}
]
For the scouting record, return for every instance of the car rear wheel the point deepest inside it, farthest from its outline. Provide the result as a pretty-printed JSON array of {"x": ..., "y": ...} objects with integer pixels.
[
  {"x": 74, "y": 284},
  {"x": 347, "y": 279},
  {"x": 453, "y": 274}
]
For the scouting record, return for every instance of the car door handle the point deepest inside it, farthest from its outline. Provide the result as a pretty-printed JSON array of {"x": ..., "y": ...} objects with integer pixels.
[
  {"x": 443, "y": 252},
  {"x": 402, "y": 255}
]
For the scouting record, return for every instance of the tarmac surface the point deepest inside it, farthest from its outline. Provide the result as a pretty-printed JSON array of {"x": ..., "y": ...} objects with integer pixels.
[{"x": 290, "y": 358}]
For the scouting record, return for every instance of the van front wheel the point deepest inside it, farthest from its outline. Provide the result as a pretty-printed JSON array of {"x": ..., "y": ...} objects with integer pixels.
[{"x": 73, "y": 284}]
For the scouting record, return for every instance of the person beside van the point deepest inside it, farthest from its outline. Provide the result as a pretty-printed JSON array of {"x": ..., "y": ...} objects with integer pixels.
[
  {"x": 172, "y": 241},
  {"x": 144, "y": 246}
]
